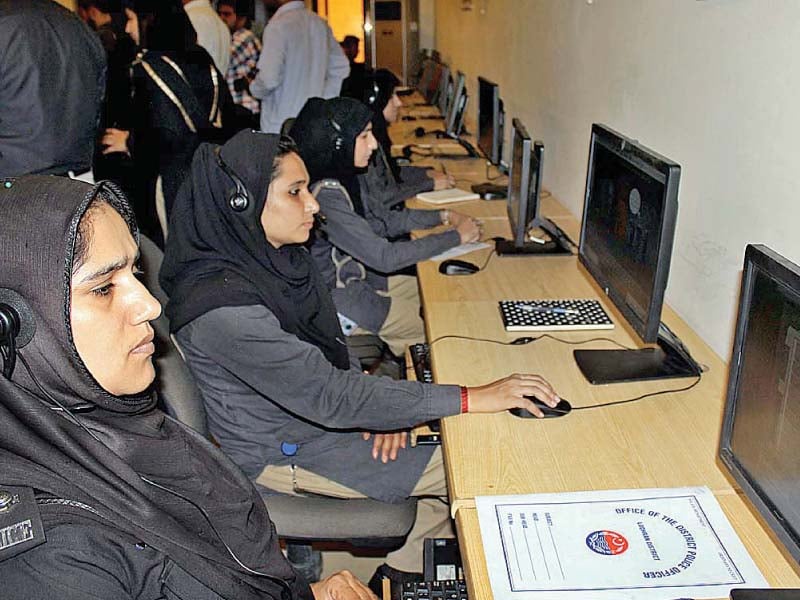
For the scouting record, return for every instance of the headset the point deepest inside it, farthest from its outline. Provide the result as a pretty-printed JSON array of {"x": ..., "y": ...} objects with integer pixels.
[
  {"x": 371, "y": 98},
  {"x": 338, "y": 141},
  {"x": 239, "y": 199},
  {"x": 16, "y": 328}
]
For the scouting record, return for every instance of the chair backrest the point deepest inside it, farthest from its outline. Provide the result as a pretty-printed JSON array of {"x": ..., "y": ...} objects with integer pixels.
[{"x": 177, "y": 390}]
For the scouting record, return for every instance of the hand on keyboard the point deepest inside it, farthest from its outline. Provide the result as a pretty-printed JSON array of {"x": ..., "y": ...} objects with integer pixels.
[{"x": 341, "y": 586}]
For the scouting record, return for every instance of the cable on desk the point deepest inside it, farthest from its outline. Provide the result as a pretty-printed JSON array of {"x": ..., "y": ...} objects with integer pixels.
[
  {"x": 522, "y": 341},
  {"x": 527, "y": 340},
  {"x": 642, "y": 397},
  {"x": 489, "y": 177},
  {"x": 488, "y": 258}
]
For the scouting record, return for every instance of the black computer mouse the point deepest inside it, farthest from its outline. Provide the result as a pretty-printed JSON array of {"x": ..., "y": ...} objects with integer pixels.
[
  {"x": 559, "y": 410},
  {"x": 454, "y": 266}
]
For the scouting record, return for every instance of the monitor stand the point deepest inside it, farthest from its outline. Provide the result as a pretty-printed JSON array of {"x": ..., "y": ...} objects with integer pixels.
[
  {"x": 671, "y": 360},
  {"x": 557, "y": 246}
]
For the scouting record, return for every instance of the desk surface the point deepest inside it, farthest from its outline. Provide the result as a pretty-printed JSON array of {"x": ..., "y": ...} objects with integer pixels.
[{"x": 668, "y": 440}]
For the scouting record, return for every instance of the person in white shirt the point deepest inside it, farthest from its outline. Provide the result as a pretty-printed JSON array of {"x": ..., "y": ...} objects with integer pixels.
[
  {"x": 300, "y": 59},
  {"x": 212, "y": 33}
]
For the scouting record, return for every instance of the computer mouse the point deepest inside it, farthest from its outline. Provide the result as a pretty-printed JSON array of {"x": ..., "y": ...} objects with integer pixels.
[
  {"x": 454, "y": 266},
  {"x": 493, "y": 196},
  {"x": 559, "y": 410}
]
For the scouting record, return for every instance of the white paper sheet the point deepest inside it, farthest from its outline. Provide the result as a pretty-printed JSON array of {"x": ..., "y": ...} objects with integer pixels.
[
  {"x": 460, "y": 250},
  {"x": 656, "y": 544}
]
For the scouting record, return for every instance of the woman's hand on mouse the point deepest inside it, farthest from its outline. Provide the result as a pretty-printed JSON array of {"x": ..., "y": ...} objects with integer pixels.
[
  {"x": 510, "y": 392},
  {"x": 469, "y": 231}
]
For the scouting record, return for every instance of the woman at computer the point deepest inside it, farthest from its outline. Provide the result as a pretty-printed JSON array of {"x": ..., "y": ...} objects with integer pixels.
[
  {"x": 133, "y": 504},
  {"x": 259, "y": 331},
  {"x": 385, "y": 183},
  {"x": 360, "y": 266}
]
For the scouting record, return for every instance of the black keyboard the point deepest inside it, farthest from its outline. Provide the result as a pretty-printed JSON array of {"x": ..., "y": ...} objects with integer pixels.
[
  {"x": 421, "y": 360},
  {"x": 434, "y": 590}
]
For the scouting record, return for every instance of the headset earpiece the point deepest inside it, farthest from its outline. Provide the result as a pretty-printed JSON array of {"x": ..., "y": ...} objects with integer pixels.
[
  {"x": 338, "y": 141},
  {"x": 16, "y": 327},
  {"x": 372, "y": 98},
  {"x": 239, "y": 199}
]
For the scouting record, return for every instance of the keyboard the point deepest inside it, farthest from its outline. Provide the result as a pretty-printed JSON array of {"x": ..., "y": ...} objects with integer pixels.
[
  {"x": 434, "y": 590},
  {"x": 421, "y": 360},
  {"x": 554, "y": 315}
]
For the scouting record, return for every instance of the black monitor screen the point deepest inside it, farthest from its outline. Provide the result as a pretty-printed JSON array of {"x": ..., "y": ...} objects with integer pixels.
[
  {"x": 761, "y": 432},
  {"x": 488, "y": 119},
  {"x": 518, "y": 179},
  {"x": 628, "y": 226}
]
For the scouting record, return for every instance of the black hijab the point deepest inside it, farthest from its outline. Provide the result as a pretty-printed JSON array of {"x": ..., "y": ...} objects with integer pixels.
[
  {"x": 326, "y": 132},
  {"x": 376, "y": 89},
  {"x": 217, "y": 257},
  {"x": 101, "y": 462}
]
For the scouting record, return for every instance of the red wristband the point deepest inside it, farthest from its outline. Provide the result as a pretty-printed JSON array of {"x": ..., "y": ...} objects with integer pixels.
[{"x": 464, "y": 400}]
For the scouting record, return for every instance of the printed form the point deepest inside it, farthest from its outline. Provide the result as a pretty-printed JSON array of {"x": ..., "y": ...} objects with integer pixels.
[{"x": 656, "y": 544}]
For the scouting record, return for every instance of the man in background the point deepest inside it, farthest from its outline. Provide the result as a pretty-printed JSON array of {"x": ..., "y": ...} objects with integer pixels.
[
  {"x": 245, "y": 50},
  {"x": 358, "y": 70},
  {"x": 52, "y": 81},
  {"x": 300, "y": 59},
  {"x": 212, "y": 33}
]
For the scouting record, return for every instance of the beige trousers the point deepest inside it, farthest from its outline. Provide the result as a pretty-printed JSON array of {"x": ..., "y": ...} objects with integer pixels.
[
  {"x": 433, "y": 515},
  {"x": 403, "y": 325}
]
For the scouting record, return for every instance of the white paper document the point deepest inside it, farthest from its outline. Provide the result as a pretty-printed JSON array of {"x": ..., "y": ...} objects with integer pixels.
[
  {"x": 656, "y": 544},
  {"x": 460, "y": 250}
]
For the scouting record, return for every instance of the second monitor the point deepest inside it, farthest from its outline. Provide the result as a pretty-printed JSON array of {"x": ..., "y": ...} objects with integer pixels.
[{"x": 524, "y": 200}]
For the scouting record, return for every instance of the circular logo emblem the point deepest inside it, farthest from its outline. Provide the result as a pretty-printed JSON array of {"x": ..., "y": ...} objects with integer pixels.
[
  {"x": 635, "y": 201},
  {"x": 606, "y": 542}
]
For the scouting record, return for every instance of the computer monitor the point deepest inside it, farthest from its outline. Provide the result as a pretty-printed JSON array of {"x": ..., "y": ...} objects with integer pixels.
[
  {"x": 445, "y": 91},
  {"x": 490, "y": 120},
  {"x": 629, "y": 214},
  {"x": 760, "y": 441},
  {"x": 523, "y": 199},
  {"x": 455, "y": 111},
  {"x": 426, "y": 84}
]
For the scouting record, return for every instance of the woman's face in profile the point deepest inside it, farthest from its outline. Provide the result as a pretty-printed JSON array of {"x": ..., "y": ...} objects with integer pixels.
[
  {"x": 392, "y": 109},
  {"x": 288, "y": 214},
  {"x": 110, "y": 308},
  {"x": 365, "y": 146}
]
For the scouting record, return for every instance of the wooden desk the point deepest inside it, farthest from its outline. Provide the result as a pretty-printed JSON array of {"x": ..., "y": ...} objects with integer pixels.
[
  {"x": 763, "y": 548},
  {"x": 664, "y": 441}
]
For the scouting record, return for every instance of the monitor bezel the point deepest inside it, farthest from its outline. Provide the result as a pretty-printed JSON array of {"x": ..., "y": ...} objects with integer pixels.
[
  {"x": 444, "y": 79},
  {"x": 518, "y": 228},
  {"x": 459, "y": 90},
  {"x": 757, "y": 258},
  {"x": 492, "y": 153},
  {"x": 640, "y": 157},
  {"x": 535, "y": 194}
]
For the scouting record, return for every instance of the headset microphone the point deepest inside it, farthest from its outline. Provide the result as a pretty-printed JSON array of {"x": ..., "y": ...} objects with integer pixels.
[{"x": 16, "y": 327}]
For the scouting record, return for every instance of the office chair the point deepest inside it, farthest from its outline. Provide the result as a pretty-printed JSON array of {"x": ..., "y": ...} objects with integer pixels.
[{"x": 301, "y": 520}]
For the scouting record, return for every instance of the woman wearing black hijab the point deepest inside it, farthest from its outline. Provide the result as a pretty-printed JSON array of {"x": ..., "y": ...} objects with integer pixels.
[
  {"x": 180, "y": 100},
  {"x": 386, "y": 183},
  {"x": 132, "y": 503},
  {"x": 260, "y": 334},
  {"x": 335, "y": 140}
]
